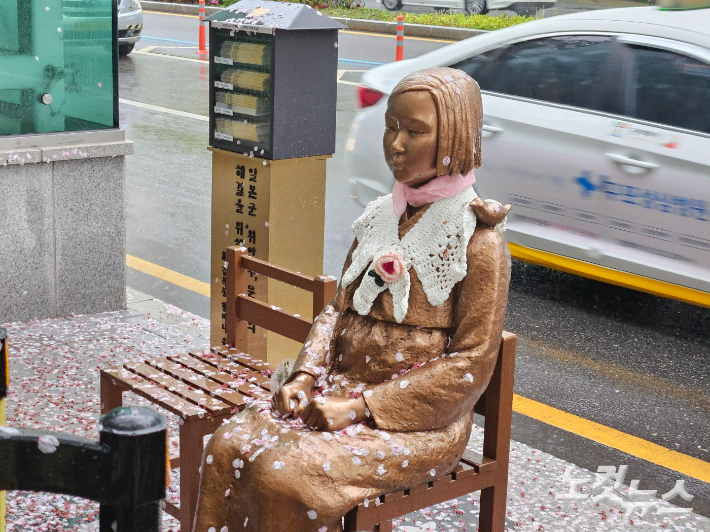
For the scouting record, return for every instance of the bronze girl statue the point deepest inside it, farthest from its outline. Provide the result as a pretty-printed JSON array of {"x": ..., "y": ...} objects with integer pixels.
[{"x": 381, "y": 397}]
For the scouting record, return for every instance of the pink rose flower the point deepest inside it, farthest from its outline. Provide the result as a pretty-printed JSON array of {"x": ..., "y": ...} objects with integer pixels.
[{"x": 389, "y": 266}]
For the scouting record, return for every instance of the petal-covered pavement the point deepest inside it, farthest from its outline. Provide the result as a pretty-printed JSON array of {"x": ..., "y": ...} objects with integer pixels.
[{"x": 54, "y": 368}]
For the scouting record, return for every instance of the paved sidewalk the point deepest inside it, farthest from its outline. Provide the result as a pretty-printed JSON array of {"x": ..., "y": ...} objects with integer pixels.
[{"x": 55, "y": 385}]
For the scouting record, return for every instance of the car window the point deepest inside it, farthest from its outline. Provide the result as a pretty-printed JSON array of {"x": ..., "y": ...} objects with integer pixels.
[
  {"x": 567, "y": 70},
  {"x": 669, "y": 88},
  {"x": 474, "y": 66}
]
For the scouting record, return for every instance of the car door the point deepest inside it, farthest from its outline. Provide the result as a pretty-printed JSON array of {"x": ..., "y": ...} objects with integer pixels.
[
  {"x": 657, "y": 204},
  {"x": 548, "y": 104}
]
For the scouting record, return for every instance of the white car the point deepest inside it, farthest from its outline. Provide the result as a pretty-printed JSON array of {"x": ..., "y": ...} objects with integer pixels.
[
  {"x": 475, "y": 7},
  {"x": 130, "y": 24},
  {"x": 596, "y": 130}
]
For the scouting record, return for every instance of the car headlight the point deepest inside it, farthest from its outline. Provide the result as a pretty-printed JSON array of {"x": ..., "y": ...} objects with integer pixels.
[{"x": 134, "y": 4}]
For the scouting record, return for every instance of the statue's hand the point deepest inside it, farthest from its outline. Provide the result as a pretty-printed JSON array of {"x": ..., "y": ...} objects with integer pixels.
[
  {"x": 293, "y": 396},
  {"x": 333, "y": 413}
]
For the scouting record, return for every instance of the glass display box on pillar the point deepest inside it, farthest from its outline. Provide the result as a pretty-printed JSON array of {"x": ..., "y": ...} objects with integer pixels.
[
  {"x": 273, "y": 92},
  {"x": 273, "y": 84}
]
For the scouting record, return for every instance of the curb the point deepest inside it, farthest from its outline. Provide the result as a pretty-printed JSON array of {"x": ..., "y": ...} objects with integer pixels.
[
  {"x": 410, "y": 30},
  {"x": 373, "y": 26},
  {"x": 182, "y": 9}
]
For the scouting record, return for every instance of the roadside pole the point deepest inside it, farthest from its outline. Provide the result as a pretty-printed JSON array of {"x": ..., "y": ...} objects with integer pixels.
[
  {"x": 400, "y": 38},
  {"x": 203, "y": 37}
]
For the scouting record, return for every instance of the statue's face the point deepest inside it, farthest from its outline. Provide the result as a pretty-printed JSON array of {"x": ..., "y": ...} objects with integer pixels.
[{"x": 411, "y": 137}]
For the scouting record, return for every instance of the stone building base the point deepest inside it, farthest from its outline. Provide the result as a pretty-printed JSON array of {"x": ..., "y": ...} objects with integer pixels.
[{"x": 62, "y": 224}]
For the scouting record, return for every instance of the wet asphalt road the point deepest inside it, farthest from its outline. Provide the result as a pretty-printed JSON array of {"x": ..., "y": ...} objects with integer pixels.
[{"x": 627, "y": 360}]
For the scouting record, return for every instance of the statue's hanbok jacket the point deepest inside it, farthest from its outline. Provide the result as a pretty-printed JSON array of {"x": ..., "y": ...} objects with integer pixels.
[{"x": 420, "y": 375}]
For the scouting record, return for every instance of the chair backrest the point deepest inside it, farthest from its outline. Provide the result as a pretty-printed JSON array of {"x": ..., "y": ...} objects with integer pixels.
[
  {"x": 241, "y": 308},
  {"x": 125, "y": 471},
  {"x": 496, "y": 403}
]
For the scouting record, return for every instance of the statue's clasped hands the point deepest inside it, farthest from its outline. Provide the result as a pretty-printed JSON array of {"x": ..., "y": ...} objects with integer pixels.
[{"x": 321, "y": 413}]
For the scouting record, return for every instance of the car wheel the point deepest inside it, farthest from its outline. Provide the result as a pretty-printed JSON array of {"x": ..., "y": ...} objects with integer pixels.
[
  {"x": 125, "y": 49},
  {"x": 392, "y": 5},
  {"x": 476, "y": 7}
]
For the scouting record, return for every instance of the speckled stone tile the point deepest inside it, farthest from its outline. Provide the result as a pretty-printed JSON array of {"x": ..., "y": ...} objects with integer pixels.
[
  {"x": 50, "y": 154},
  {"x": 90, "y": 235},
  {"x": 87, "y": 151},
  {"x": 26, "y": 242}
]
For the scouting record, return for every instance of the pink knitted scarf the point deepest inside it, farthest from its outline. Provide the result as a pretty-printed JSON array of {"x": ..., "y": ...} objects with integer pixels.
[{"x": 444, "y": 186}]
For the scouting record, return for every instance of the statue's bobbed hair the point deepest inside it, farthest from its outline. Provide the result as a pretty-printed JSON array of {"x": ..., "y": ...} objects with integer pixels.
[{"x": 460, "y": 112}]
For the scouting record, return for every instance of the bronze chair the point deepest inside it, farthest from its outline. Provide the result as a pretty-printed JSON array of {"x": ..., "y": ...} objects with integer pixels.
[{"x": 199, "y": 388}]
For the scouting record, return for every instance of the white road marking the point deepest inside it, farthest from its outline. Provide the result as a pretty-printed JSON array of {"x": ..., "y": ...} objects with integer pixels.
[
  {"x": 343, "y": 82},
  {"x": 143, "y": 51},
  {"x": 165, "y": 110},
  {"x": 148, "y": 51}
]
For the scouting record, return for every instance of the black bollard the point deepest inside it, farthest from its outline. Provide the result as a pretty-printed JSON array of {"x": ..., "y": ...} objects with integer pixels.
[
  {"x": 137, "y": 437},
  {"x": 125, "y": 471},
  {"x": 4, "y": 365},
  {"x": 4, "y": 381}
]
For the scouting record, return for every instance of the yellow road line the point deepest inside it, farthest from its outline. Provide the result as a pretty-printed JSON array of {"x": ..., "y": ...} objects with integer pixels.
[
  {"x": 615, "y": 439},
  {"x": 646, "y": 450},
  {"x": 170, "y": 276},
  {"x": 171, "y": 14},
  {"x": 341, "y": 31},
  {"x": 609, "y": 275}
]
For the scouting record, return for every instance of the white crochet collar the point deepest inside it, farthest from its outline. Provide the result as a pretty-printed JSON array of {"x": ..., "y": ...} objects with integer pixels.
[{"x": 435, "y": 247}]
